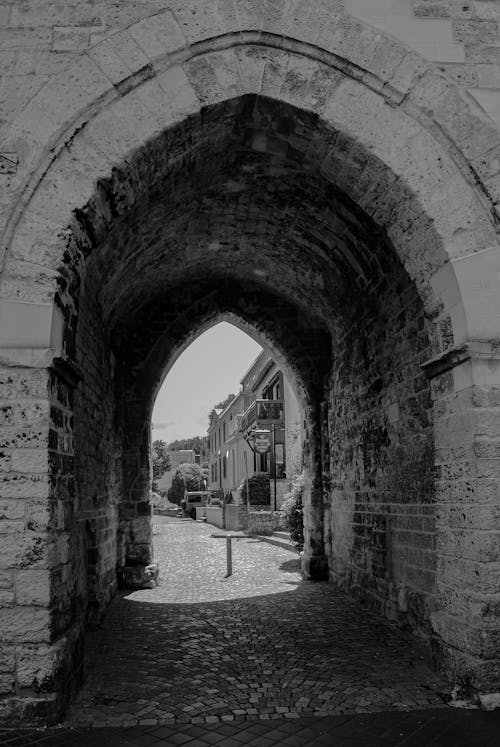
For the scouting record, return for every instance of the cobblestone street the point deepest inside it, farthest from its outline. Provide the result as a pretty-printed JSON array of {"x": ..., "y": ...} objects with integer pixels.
[{"x": 204, "y": 649}]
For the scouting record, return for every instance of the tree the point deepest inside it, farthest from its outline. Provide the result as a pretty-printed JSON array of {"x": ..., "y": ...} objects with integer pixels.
[
  {"x": 161, "y": 461},
  {"x": 212, "y": 415},
  {"x": 186, "y": 477},
  {"x": 197, "y": 443},
  {"x": 222, "y": 405}
]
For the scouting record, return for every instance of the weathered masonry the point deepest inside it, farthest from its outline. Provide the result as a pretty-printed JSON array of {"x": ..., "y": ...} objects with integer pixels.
[{"x": 294, "y": 169}]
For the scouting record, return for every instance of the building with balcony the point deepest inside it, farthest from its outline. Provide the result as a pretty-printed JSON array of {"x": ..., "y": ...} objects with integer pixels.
[{"x": 265, "y": 408}]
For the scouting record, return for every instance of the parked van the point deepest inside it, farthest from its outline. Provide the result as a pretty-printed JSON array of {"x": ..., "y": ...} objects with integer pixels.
[{"x": 193, "y": 499}]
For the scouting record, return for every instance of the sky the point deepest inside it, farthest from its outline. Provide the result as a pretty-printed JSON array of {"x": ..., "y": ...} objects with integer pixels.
[{"x": 208, "y": 370}]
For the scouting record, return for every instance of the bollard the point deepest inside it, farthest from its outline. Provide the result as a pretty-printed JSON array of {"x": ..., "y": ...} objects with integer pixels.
[
  {"x": 229, "y": 556},
  {"x": 229, "y": 550}
]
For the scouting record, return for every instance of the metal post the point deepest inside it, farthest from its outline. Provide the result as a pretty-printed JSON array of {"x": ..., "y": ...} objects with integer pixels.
[
  {"x": 274, "y": 465},
  {"x": 246, "y": 475},
  {"x": 229, "y": 557}
]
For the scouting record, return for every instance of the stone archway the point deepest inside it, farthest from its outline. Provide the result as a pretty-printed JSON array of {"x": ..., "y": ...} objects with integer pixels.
[{"x": 163, "y": 185}]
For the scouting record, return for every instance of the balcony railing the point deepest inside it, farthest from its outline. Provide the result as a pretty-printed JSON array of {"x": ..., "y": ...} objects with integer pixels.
[{"x": 262, "y": 413}]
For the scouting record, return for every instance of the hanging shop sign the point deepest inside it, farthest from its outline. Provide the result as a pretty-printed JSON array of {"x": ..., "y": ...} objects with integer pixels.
[{"x": 262, "y": 443}]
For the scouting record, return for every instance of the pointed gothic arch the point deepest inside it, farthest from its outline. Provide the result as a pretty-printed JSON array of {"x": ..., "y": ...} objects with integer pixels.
[{"x": 140, "y": 170}]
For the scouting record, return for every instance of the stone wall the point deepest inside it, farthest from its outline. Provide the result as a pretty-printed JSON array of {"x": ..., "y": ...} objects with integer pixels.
[
  {"x": 40, "y": 640},
  {"x": 381, "y": 536},
  {"x": 235, "y": 516},
  {"x": 98, "y": 469},
  {"x": 463, "y": 38},
  {"x": 467, "y": 433},
  {"x": 263, "y": 522},
  {"x": 215, "y": 516}
]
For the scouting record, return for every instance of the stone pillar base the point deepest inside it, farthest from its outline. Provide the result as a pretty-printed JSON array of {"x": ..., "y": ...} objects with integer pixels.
[
  {"x": 476, "y": 678},
  {"x": 45, "y": 710},
  {"x": 314, "y": 567},
  {"x": 138, "y": 576}
]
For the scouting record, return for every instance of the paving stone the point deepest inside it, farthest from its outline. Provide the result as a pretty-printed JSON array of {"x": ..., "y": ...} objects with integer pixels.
[{"x": 263, "y": 643}]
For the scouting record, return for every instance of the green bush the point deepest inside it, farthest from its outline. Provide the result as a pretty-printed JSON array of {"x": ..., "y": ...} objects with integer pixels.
[
  {"x": 186, "y": 477},
  {"x": 292, "y": 513},
  {"x": 259, "y": 489}
]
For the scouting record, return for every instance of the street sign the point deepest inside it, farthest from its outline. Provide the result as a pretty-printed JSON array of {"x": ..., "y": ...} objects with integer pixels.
[{"x": 262, "y": 444}]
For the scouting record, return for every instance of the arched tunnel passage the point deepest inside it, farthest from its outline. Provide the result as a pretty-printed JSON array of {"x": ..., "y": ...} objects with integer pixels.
[
  {"x": 194, "y": 140},
  {"x": 230, "y": 213}
]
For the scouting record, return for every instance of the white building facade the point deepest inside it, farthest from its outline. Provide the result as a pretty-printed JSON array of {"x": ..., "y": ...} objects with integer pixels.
[{"x": 267, "y": 406}]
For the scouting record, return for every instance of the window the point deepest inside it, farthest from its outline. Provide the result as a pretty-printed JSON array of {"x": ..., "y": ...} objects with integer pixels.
[
  {"x": 274, "y": 389},
  {"x": 224, "y": 467}
]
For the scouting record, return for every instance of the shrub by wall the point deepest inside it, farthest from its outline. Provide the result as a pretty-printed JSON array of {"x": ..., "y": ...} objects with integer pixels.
[
  {"x": 292, "y": 514},
  {"x": 259, "y": 489}
]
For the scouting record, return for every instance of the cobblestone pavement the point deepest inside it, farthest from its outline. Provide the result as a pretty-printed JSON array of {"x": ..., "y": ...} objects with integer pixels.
[
  {"x": 443, "y": 727},
  {"x": 205, "y": 649}
]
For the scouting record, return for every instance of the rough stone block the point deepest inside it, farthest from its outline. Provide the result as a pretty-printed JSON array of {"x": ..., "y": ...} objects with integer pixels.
[
  {"x": 308, "y": 84},
  {"x": 170, "y": 96},
  {"x": 39, "y": 514},
  {"x": 7, "y": 658},
  {"x": 140, "y": 529},
  {"x": 63, "y": 100},
  {"x": 6, "y": 580},
  {"x": 275, "y": 67},
  {"x": 17, "y": 485},
  {"x": 13, "y": 438},
  {"x": 459, "y": 574},
  {"x": 6, "y": 598},
  {"x": 469, "y": 516},
  {"x": 24, "y": 38},
  {"x": 475, "y": 31},
  {"x": 206, "y": 19},
  {"x": 22, "y": 710},
  {"x": 140, "y": 576},
  {"x": 70, "y": 38},
  {"x": 482, "y": 546},
  {"x": 36, "y": 667},
  {"x": 477, "y": 641},
  {"x": 7, "y": 684},
  {"x": 24, "y": 624},
  {"x": 27, "y": 413},
  {"x": 158, "y": 35},
  {"x": 29, "y": 461},
  {"x": 214, "y": 77},
  {"x": 23, "y": 550},
  {"x": 11, "y": 527},
  {"x": 33, "y": 587},
  {"x": 119, "y": 56},
  {"x": 12, "y": 509},
  {"x": 8, "y": 163}
]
